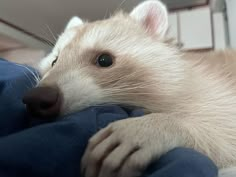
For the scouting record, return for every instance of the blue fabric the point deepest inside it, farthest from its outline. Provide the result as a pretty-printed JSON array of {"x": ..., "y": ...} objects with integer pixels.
[{"x": 54, "y": 149}]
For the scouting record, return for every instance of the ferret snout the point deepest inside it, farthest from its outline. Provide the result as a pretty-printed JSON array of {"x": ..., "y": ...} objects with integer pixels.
[{"x": 43, "y": 102}]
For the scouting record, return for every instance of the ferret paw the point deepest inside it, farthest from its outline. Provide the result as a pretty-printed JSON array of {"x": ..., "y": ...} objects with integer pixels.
[{"x": 124, "y": 149}]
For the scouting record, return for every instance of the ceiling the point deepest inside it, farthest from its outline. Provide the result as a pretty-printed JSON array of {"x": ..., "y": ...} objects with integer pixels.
[{"x": 36, "y": 16}]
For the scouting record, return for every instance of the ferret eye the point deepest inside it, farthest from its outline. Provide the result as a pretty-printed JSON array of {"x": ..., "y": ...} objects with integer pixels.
[
  {"x": 54, "y": 61},
  {"x": 104, "y": 60}
]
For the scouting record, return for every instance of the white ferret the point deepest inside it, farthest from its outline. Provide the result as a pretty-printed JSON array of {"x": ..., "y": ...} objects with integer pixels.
[{"x": 126, "y": 60}]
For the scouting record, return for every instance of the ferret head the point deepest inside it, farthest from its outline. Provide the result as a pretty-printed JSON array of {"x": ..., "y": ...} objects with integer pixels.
[{"x": 121, "y": 60}]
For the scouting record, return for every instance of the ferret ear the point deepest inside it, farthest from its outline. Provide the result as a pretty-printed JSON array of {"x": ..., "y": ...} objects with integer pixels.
[
  {"x": 153, "y": 15},
  {"x": 74, "y": 22}
]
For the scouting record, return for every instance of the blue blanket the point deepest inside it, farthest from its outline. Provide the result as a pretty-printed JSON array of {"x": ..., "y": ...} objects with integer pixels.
[{"x": 49, "y": 149}]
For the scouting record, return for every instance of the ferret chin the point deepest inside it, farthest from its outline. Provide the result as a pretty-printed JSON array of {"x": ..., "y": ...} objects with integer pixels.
[{"x": 191, "y": 98}]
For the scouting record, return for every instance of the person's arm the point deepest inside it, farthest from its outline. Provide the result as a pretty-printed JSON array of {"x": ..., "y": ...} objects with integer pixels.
[{"x": 54, "y": 149}]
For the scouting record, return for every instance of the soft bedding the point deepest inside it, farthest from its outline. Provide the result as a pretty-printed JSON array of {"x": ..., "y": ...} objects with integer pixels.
[{"x": 32, "y": 148}]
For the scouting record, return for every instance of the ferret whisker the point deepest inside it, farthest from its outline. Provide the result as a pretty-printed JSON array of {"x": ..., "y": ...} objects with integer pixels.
[
  {"x": 46, "y": 36},
  {"x": 54, "y": 37},
  {"x": 120, "y": 5},
  {"x": 36, "y": 77},
  {"x": 106, "y": 14}
]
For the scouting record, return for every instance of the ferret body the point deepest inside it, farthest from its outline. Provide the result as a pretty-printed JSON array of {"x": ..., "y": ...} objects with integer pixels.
[{"x": 191, "y": 102}]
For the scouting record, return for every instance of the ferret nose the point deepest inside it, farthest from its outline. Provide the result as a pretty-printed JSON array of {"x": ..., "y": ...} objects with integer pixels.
[{"x": 43, "y": 102}]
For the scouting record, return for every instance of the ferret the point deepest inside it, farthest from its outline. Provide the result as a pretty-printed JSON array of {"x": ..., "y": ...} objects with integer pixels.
[{"x": 126, "y": 60}]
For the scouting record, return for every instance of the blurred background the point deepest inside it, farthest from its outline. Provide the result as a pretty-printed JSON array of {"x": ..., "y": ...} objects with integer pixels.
[{"x": 28, "y": 27}]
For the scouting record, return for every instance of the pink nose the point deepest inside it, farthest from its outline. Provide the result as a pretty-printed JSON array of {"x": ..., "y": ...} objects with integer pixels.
[{"x": 43, "y": 102}]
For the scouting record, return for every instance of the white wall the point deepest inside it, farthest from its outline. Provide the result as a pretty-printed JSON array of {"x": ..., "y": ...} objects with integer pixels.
[
  {"x": 22, "y": 37},
  {"x": 231, "y": 13},
  {"x": 195, "y": 28},
  {"x": 220, "y": 31}
]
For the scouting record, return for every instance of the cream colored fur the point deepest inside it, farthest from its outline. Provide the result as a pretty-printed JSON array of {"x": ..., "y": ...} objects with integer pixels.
[{"x": 191, "y": 102}]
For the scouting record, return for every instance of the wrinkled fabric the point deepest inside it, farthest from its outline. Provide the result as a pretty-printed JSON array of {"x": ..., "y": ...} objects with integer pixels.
[{"x": 49, "y": 149}]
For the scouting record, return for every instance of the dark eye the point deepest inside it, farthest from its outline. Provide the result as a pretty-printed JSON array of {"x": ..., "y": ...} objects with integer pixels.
[
  {"x": 54, "y": 62},
  {"x": 104, "y": 60}
]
